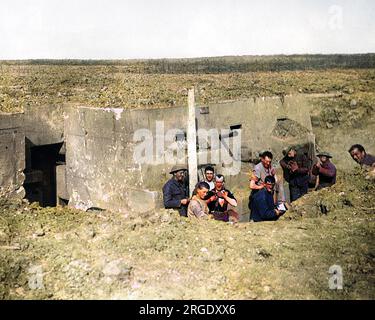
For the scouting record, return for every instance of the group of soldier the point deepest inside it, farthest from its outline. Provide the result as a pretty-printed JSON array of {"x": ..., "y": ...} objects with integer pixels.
[
  {"x": 267, "y": 201},
  {"x": 210, "y": 198}
]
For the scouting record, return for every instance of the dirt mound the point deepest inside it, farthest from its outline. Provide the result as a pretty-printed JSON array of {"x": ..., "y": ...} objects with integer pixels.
[
  {"x": 61, "y": 253},
  {"x": 352, "y": 192}
]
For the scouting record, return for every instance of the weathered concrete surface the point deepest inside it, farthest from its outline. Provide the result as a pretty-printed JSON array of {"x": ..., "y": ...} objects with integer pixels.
[
  {"x": 101, "y": 170},
  {"x": 101, "y": 144},
  {"x": 12, "y": 155},
  {"x": 44, "y": 124},
  {"x": 258, "y": 117}
]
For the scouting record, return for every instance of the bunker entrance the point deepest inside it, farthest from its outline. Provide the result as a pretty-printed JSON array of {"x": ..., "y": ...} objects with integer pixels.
[{"x": 40, "y": 172}]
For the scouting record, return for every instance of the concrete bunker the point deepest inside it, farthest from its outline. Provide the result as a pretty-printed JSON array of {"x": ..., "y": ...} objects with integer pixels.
[{"x": 84, "y": 157}]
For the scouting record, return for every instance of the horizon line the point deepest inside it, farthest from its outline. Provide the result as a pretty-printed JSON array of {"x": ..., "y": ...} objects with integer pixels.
[{"x": 191, "y": 58}]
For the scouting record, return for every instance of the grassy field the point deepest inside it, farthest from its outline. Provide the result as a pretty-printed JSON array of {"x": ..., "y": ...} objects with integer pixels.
[
  {"x": 123, "y": 85},
  {"x": 224, "y": 64}
]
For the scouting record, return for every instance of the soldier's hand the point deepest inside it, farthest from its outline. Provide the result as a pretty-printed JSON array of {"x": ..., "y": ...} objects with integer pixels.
[{"x": 184, "y": 201}]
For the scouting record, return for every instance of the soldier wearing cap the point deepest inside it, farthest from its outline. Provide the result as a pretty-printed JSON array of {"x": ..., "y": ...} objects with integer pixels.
[
  {"x": 325, "y": 171},
  {"x": 175, "y": 191}
]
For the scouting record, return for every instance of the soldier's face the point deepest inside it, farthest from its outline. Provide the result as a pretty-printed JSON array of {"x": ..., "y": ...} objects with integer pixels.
[
  {"x": 209, "y": 175},
  {"x": 202, "y": 193},
  {"x": 180, "y": 175},
  {"x": 357, "y": 155},
  {"x": 219, "y": 185},
  {"x": 269, "y": 186},
  {"x": 323, "y": 159},
  {"x": 292, "y": 153},
  {"x": 266, "y": 162}
]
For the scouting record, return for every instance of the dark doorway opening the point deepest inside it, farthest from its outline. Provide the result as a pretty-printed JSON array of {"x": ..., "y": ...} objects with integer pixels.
[{"x": 40, "y": 172}]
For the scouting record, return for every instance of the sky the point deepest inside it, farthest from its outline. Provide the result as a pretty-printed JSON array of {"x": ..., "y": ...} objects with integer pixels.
[{"x": 137, "y": 29}]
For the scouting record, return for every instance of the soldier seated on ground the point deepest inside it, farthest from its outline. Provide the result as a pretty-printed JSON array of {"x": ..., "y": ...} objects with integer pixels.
[
  {"x": 359, "y": 155},
  {"x": 175, "y": 191},
  {"x": 218, "y": 200},
  {"x": 262, "y": 205},
  {"x": 197, "y": 206},
  {"x": 325, "y": 171}
]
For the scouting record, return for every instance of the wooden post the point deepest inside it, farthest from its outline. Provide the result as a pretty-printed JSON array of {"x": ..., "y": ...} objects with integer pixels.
[{"x": 192, "y": 142}]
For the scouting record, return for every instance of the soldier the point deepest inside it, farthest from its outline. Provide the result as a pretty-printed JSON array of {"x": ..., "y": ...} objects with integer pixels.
[
  {"x": 262, "y": 205},
  {"x": 197, "y": 206},
  {"x": 359, "y": 155},
  {"x": 325, "y": 171},
  {"x": 263, "y": 169},
  {"x": 218, "y": 200},
  {"x": 296, "y": 173},
  {"x": 175, "y": 191},
  {"x": 209, "y": 175}
]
